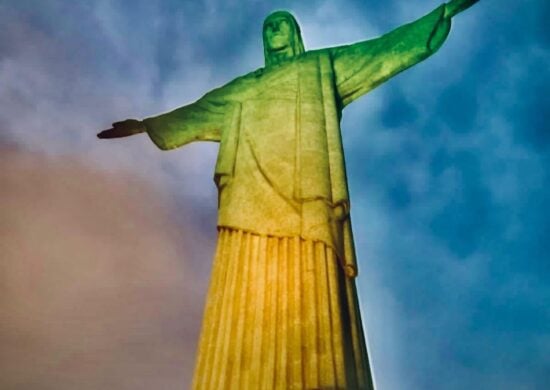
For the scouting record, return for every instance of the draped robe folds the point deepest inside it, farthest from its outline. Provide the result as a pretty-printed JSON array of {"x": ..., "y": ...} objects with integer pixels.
[{"x": 280, "y": 171}]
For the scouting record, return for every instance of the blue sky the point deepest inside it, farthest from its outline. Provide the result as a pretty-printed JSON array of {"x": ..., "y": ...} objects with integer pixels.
[{"x": 447, "y": 162}]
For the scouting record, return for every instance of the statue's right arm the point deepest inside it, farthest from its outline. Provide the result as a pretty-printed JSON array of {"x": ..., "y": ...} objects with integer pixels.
[
  {"x": 124, "y": 128},
  {"x": 199, "y": 121},
  {"x": 203, "y": 120}
]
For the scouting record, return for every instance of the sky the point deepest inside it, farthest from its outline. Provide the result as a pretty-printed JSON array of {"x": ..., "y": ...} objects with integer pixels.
[{"x": 108, "y": 244}]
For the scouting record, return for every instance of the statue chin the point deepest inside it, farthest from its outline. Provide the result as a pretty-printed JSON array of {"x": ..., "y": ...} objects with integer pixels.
[
  {"x": 279, "y": 49},
  {"x": 281, "y": 53}
]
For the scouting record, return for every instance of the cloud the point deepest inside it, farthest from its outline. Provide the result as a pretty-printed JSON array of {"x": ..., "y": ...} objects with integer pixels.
[
  {"x": 62, "y": 83},
  {"x": 98, "y": 287}
]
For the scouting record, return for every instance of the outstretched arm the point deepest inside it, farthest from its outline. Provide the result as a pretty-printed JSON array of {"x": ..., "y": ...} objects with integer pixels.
[
  {"x": 361, "y": 67},
  {"x": 203, "y": 120},
  {"x": 199, "y": 121},
  {"x": 454, "y": 7}
]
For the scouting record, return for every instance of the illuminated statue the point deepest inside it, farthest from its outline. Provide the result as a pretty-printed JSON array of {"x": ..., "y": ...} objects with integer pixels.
[{"x": 282, "y": 310}]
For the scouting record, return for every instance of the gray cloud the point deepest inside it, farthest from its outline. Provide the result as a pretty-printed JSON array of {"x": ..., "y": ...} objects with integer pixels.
[{"x": 99, "y": 289}]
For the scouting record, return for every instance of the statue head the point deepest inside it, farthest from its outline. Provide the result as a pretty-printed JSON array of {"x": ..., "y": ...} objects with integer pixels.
[{"x": 282, "y": 37}]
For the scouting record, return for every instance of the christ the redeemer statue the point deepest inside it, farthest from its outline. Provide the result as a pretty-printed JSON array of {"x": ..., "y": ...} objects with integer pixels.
[{"x": 282, "y": 310}]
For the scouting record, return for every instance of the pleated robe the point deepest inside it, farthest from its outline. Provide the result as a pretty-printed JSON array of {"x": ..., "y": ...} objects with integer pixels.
[
  {"x": 280, "y": 315},
  {"x": 282, "y": 309}
]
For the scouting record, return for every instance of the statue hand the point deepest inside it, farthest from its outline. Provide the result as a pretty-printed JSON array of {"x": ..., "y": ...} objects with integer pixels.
[
  {"x": 123, "y": 129},
  {"x": 454, "y": 7},
  {"x": 351, "y": 272}
]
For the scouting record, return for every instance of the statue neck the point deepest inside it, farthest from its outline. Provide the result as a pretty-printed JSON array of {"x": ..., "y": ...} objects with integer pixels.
[{"x": 279, "y": 56}]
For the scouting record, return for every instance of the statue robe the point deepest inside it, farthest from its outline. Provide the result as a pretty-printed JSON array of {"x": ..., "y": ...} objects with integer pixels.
[{"x": 284, "y": 213}]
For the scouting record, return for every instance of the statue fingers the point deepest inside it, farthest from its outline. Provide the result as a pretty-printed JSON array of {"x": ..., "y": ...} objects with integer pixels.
[
  {"x": 127, "y": 123},
  {"x": 131, "y": 126},
  {"x": 109, "y": 133}
]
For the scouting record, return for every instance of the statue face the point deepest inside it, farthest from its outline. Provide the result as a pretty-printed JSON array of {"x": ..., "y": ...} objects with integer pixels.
[
  {"x": 278, "y": 33},
  {"x": 281, "y": 37}
]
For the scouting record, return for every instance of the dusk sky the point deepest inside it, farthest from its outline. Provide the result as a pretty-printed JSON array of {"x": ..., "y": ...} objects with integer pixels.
[{"x": 106, "y": 246}]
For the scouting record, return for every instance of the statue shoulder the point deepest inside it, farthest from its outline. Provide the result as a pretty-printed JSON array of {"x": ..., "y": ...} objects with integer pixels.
[{"x": 234, "y": 88}]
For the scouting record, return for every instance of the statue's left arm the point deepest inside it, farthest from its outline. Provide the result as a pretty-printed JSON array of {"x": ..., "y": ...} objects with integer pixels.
[{"x": 363, "y": 66}]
